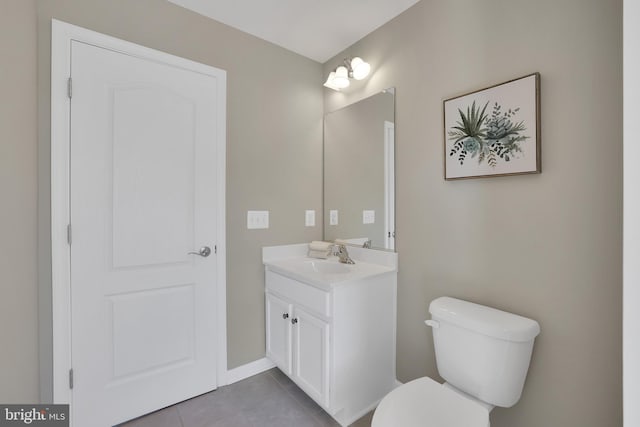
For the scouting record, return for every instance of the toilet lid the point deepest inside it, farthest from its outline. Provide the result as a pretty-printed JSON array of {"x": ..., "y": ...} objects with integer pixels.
[{"x": 427, "y": 403}]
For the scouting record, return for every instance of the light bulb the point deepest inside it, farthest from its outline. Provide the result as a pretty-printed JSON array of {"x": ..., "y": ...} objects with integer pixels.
[{"x": 360, "y": 68}]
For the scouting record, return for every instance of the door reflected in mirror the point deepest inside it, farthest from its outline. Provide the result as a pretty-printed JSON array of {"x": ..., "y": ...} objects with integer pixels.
[{"x": 359, "y": 172}]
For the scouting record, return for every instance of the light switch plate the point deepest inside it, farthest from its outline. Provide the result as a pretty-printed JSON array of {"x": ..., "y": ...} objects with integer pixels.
[
  {"x": 368, "y": 217},
  {"x": 257, "y": 219},
  {"x": 310, "y": 218},
  {"x": 333, "y": 217}
]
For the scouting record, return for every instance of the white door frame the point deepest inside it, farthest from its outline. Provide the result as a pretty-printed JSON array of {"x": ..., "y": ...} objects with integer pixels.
[
  {"x": 389, "y": 184},
  {"x": 61, "y": 36},
  {"x": 631, "y": 233}
]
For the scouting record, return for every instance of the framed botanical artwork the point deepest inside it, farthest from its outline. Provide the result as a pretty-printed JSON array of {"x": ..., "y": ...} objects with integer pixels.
[{"x": 493, "y": 131}]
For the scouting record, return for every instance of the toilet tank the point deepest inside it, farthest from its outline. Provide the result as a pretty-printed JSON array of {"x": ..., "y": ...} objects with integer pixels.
[{"x": 482, "y": 351}]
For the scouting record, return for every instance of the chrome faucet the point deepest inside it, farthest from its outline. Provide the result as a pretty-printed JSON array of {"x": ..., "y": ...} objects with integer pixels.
[{"x": 343, "y": 255}]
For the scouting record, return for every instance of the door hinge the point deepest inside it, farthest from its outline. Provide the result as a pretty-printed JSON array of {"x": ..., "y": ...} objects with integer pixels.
[
  {"x": 71, "y": 379},
  {"x": 69, "y": 88},
  {"x": 69, "y": 234},
  {"x": 215, "y": 249}
]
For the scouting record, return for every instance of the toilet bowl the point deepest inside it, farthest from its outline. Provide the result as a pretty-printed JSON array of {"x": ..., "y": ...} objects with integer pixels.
[{"x": 482, "y": 353}]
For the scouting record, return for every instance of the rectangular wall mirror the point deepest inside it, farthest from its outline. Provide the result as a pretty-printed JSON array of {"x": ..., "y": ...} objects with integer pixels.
[{"x": 359, "y": 172}]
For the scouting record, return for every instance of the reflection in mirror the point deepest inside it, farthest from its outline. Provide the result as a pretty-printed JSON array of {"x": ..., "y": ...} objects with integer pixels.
[{"x": 359, "y": 173}]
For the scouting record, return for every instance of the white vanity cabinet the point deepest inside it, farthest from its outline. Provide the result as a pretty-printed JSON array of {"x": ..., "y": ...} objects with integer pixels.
[
  {"x": 297, "y": 338},
  {"x": 333, "y": 334},
  {"x": 278, "y": 338}
]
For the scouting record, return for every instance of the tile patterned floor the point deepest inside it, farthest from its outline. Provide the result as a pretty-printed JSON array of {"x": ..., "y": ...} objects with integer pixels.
[{"x": 269, "y": 399}]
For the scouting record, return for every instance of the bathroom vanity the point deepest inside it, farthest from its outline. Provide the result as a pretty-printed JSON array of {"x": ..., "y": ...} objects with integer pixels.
[{"x": 331, "y": 327}]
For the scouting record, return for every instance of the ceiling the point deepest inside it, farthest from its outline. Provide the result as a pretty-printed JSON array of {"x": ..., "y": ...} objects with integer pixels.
[{"x": 317, "y": 29}]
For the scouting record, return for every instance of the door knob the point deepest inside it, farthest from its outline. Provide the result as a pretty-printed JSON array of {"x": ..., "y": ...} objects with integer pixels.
[{"x": 204, "y": 252}]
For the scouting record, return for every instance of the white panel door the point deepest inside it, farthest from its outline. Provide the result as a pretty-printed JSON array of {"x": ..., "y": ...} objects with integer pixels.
[
  {"x": 143, "y": 195},
  {"x": 311, "y": 355},
  {"x": 278, "y": 319}
]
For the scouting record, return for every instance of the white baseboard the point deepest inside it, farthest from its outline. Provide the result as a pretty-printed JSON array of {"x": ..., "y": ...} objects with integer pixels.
[{"x": 250, "y": 369}]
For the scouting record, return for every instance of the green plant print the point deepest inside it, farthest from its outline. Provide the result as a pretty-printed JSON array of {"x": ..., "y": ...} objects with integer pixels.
[{"x": 490, "y": 138}]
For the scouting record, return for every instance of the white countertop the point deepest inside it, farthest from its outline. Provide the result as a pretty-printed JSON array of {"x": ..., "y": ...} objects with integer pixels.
[{"x": 291, "y": 261}]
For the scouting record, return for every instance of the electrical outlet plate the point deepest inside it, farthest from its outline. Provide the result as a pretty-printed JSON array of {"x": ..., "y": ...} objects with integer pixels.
[
  {"x": 368, "y": 217},
  {"x": 310, "y": 218},
  {"x": 257, "y": 219},
  {"x": 333, "y": 217}
]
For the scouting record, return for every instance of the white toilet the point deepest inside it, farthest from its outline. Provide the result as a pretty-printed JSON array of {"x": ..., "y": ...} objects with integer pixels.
[{"x": 482, "y": 353}]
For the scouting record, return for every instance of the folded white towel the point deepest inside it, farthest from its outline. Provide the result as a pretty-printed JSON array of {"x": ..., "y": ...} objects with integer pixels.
[
  {"x": 353, "y": 241},
  {"x": 319, "y": 246},
  {"x": 318, "y": 254}
]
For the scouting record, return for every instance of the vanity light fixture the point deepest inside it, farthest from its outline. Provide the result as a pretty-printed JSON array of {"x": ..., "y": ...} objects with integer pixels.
[{"x": 351, "y": 68}]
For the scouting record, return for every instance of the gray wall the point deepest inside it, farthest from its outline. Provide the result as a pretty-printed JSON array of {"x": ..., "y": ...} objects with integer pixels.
[
  {"x": 274, "y": 151},
  {"x": 546, "y": 246},
  {"x": 18, "y": 187}
]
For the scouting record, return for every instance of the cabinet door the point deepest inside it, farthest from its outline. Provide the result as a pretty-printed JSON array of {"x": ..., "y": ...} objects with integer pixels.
[
  {"x": 278, "y": 322},
  {"x": 311, "y": 355}
]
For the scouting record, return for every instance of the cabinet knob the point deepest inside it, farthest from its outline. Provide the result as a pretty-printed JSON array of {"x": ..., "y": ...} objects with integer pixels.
[
  {"x": 285, "y": 315},
  {"x": 294, "y": 321}
]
